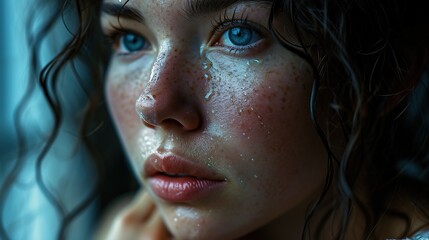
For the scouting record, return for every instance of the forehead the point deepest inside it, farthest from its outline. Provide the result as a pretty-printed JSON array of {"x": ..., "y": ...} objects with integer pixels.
[{"x": 190, "y": 8}]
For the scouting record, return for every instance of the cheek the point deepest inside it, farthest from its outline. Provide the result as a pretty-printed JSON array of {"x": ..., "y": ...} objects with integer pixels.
[
  {"x": 122, "y": 90},
  {"x": 269, "y": 122},
  {"x": 271, "y": 107},
  {"x": 122, "y": 93}
]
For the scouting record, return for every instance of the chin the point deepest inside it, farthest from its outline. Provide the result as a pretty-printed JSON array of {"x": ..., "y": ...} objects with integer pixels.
[{"x": 207, "y": 229}]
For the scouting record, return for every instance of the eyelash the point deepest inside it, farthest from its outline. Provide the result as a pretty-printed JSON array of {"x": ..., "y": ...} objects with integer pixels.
[
  {"x": 220, "y": 27},
  {"x": 114, "y": 36},
  {"x": 224, "y": 23}
]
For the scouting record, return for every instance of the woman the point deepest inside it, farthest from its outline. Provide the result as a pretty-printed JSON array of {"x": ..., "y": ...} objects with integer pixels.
[{"x": 269, "y": 119}]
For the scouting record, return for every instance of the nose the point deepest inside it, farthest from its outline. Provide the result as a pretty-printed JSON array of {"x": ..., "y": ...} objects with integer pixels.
[{"x": 166, "y": 101}]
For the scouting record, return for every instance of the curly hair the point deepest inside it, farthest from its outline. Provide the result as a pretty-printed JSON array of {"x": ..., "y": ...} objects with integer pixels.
[
  {"x": 372, "y": 57},
  {"x": 370, "y": 62}
]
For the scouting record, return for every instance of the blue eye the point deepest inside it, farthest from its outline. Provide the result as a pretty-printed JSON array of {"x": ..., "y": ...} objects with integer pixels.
[
  {"x": 239, "y": 36},
  {"x": 130, "y": 42}
]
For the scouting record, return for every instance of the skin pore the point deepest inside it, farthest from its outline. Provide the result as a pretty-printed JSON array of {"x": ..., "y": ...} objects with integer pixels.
[{"x": 214, "y": 87}]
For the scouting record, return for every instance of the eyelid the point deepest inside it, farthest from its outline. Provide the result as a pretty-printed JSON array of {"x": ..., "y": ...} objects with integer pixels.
[
  {"x": 114, "y": 34},
  {"x": 222, "y": 27}
]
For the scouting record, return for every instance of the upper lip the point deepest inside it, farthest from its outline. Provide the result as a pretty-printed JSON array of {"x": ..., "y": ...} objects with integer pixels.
[{"x": 174, "y": 165}]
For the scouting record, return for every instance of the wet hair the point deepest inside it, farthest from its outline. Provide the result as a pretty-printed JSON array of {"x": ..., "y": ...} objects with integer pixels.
[
  {"x": 370, "y": 62},
  {"x": 82, "y": 53}
]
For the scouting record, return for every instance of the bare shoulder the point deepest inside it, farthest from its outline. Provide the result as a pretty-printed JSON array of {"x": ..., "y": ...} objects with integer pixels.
[{"x": 109, "y": 216}]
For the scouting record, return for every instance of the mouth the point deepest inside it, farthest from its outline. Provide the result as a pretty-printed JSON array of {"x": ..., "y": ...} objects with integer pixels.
[{"x": 176, "y": 179}]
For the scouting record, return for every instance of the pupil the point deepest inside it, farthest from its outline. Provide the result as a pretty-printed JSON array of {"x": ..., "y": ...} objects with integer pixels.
[
  {"x": 133, "y": 42},
  {"x": 240, "y": 35}
]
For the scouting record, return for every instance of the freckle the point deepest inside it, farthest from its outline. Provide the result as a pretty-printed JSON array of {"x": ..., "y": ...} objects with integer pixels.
[{"x": 270, "y": 109}]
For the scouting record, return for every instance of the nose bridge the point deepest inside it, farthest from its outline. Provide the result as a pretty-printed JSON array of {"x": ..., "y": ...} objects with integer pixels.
[{"x": 165, "y": 69}]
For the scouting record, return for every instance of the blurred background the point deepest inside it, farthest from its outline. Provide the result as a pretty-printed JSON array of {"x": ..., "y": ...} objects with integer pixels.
[{"x": 30, "y": 210}]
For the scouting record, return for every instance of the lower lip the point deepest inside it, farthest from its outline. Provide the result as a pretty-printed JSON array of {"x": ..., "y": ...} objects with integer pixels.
[{"x": 182, "y": 189}]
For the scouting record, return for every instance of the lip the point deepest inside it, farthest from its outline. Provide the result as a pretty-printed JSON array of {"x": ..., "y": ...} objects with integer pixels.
[{"x": 176, "y": 179}]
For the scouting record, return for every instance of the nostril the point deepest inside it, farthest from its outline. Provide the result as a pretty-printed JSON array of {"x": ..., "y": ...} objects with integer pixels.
[{"x": 172, "y": 123}]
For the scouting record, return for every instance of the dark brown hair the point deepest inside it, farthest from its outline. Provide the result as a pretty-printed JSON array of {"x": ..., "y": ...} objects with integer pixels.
[{"x": 372, "y": 59}]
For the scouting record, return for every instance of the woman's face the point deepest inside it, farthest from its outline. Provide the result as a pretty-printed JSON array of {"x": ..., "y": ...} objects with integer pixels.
[{"x": 213, "y": 114}]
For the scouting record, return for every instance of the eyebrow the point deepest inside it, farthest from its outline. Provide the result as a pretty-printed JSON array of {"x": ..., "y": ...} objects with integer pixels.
[
  {"x": 122, "y": 11},
  {"x": 193, "y": 8},
  {"x": 196, "y": 8}
]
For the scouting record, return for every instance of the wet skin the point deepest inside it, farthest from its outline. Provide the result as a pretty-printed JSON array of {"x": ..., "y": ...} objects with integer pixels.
[{"x": 234, "y": 104}]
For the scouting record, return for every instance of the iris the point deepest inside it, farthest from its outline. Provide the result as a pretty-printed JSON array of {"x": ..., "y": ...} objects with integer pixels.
[
  {"x": 240, "y": 36},
  {"x": 133, "y": 43}
]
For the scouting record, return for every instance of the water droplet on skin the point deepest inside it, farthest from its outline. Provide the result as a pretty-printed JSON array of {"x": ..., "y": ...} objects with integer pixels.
[
  {"x": 244, "y": 134},
  {"x": 255, "y": 176},
  {"x": 206, "y": 64},
  {"x": 207, "y": 76},
  {"x": 209, "y": 94},
  {"x": 252, "y": 159},
  {"x": 254, "y": 62},
  {"x": 213, "y": 111}
]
